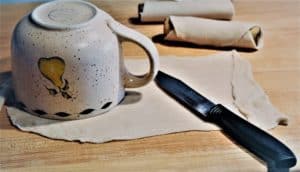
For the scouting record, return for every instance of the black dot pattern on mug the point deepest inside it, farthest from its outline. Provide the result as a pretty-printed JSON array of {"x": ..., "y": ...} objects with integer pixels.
[
  {"x": 106, "y": 105},
  {"x": 92, "y": 72},
  {"x": 86, "y": 111},
  {"x": 62, "y": 114},
  {"x": 39, "y": 112},
  {"x": 37, "y": 83}
]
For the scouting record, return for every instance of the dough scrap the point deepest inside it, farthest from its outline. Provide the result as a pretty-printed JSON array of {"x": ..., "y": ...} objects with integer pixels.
[{"x": 251, "y": 99}]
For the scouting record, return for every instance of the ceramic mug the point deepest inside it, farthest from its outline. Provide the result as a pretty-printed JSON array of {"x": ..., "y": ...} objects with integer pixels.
[{"x": 67, "y": 60}]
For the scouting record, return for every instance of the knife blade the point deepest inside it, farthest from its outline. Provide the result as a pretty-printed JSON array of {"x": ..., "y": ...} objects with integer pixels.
[{"x": 263, "y": 145}]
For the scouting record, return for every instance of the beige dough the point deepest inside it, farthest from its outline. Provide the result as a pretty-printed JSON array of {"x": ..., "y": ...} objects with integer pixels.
[
  {"x": 213, "y": 32},
  {"x": 158, "y": 11},
  {"x": 148, "y": 111},
  {"x": 250, "y": 98}
]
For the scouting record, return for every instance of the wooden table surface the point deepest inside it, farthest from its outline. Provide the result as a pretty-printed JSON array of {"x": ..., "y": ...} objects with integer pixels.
[{"x": 276, "y": 68}]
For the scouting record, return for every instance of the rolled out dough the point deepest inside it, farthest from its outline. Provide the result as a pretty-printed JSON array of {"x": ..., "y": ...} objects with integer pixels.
[
  {"x": 213, "y": 32},
  {"x": 159, "y": 10},
  {"x": 224, "y": 78}
]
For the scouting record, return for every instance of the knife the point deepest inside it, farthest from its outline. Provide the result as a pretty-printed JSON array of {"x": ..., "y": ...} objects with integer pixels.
[{"x": 277, "y": 156}]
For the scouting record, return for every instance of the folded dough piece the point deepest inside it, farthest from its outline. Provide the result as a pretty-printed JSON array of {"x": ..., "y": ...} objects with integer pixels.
[
  {"x": 152, "y": 112},
  {"x": 251, "y": 99},
  {"x": 213, "y": 32},
  {"x": 158, "y": 11}
]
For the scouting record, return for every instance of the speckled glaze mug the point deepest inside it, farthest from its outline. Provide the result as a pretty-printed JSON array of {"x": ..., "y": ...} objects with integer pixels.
[{"x": 67, "y": 60}]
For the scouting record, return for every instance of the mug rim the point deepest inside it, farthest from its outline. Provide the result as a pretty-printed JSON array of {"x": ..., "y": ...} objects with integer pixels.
[{"x": 60, "y": 26}]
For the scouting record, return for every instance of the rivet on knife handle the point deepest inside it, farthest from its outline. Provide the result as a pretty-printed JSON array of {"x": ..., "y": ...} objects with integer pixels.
[{"x": 277, "y": 156}]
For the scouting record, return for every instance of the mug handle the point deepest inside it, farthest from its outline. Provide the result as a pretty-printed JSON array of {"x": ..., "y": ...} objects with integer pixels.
[{"x": 126, "y": 34}]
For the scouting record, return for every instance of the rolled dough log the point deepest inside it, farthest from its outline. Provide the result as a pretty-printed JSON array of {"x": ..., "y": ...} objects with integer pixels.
[
  {"x": 158, "y": 11},
  {"x": 148, "y": 111},
  {"x": 213, "y": 32}
]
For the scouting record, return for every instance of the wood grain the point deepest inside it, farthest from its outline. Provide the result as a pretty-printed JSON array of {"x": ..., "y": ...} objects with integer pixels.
[{"x": 276, "y": 67}]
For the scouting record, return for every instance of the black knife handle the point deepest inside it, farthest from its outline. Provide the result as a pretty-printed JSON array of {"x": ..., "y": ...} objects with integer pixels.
[{"x": 257, "y": 141}]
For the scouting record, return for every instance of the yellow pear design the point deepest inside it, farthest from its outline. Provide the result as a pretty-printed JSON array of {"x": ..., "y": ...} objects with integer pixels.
[{"x": 53, "y": 69}]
